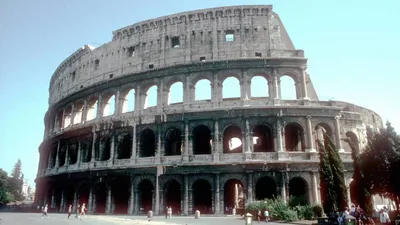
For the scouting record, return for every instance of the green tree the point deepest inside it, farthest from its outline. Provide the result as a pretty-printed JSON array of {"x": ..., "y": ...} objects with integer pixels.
[
  {"x": 16, "y": 172},
  {"x": 3, "y": 186},
  {"x": 333, "y": 188}
]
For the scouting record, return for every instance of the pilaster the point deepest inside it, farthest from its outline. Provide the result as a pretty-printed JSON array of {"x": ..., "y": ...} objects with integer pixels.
[
  {"x": 58, "y": 155},
  {"x": 186, "y": 195},
  {"x": 133, "y": 153},
  {"x": 186, "y": 147},
  {"x": 216, "y": 150},
  {"x": 108, "y": 201},
  {"x": 311, "y": 147},
  {"x": 338, "y": 140},
  {"x": 217, "y": 195}
]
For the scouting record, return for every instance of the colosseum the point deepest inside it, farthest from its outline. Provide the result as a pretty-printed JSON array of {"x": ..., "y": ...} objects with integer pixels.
[{"x": 109, "y": 144}]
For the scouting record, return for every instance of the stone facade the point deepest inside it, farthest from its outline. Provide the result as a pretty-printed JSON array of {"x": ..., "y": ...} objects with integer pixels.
[{"x": 104, "y": 146}]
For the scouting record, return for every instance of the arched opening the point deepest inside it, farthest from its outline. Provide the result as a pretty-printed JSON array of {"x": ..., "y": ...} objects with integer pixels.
[
  {"x": 265, "y": 188},
  {"x": 84, "y": 195},
  {"x": 232, "y": 140},
  {"x": 91, "y": 113},
  {"x": 352, "y": 137},
  {"x": 124, "y": 147},
  {"x": 173, "y": 142},
  {"x": 202, "y": 196},
  {"x": 147, "y": 143},
  {"x": 151, "y": 97},
  {"x": 128, "y": 101},
  {"x": 319, "y": 131},
  {"x": 172, "y": 196},
  {"x": 288, "y": 88},
  {"x": 175, "y": 94},
  {"x": 57, "y": 198},
  {"x": 101, "y": 197},
  {"x": 294, "y": 137},
  {"x": 298, "y": 188},
  {"x": 233, "y": 196},
  {"x": 263, "y": 139},
  {"x": 62, "y": 154},
  {"x": 58, "y": 124},
  {"x": 103, "y": 149},
  {"x": 146, "y": 195},
  {"x": 86, "y": 151},
  {"x": 78, "y": 112},
  {"x": 231, "y": 88},
  {"x": 202, "y": 90},
  {"x": 259, "y": 87},
  {"x": 52, "y": 155},
  {"x": 121, "y": 193},
  {"x": 68, "y": 117},
  {"x": 69, "y": 196},
  {"x": 109, "y": 107},
  {"x": 73, "y": 153},
  {"x": 201, "y": 140}
]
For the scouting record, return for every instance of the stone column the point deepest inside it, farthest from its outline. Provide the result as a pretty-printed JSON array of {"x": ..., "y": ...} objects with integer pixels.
[
  {"x": 244, "y": 88},
  {"x": 90, "y": 200},
  {"x": 50, "y": 159},
  {"x": 157, "y": 199},
  {"x": 190, "y": 202},
  {"x": 117, "y": 103},
  {"x": 84, "y": 111},
  {"x": 133, "y": 153},
  {"x": 131, "y": 197},
  {"x": 186, "y": 149},
  {"x": 108, "y": 201},
  {"x": 75, "y": 201},
  {"x": 216, "y": 150},
  {"x": 58, "y": 155},
  {"x": 160, "y": 96},
  {"x": 79, "y": 156},
  {"x": 159, "y": 145},
  {"x": 66, "y": 162},
  {"x": 53, "y": 202},
  {"x": 217, "y": 195},
  {"x": 347, "y": 183},
  {"x": 56, "y": 123},
  {"x": 276, "y": 90},
  {"x": 72, "y": 114},
  {"x": 187, "y": 91},
  {"x": 94, "y": 144},
  {"x": 62, "y": 202},
  {"x": 138, "y": 103},
  {"x": 112, "y": 149},
  {"x": 99, "y": 112},
  {"x": 136, "y": 203},
  {"x": 250, "y": 187},
  {"x": 186, "y": 195},
  {"x": 311, "y": 147},
  {"x": 315, "y": 187},
  {"x": 63, "y": 119},
  {"x": 284, "y": 186},
  {"x": 249, "y": 142},
  {"x": 337, "y": 128},
  {"x": 304, "y": 83},
  {"x": 279, "y": 136},
  {"x": 216, "y": 90}
]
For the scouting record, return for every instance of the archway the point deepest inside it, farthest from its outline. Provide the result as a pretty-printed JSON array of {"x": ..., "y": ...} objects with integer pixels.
[
  {"x": 352, "y": 137},
  {"x": 124, "y": 146},
  {"x": 232, "y": 140},
  {"x": 298, "y": 188},
  {"x": 233, "y": 196},
  {"x": 147, "y": 143},
  {"x": 101, "y": 197},
  {"x": 263, "y": 139},
  {"x": 202, "y": 196},
  {"x": 265, "y": 188},
  {"x": 172, "y": 196},
  {"x": 103, "y": 148},
  {"x": 202, "y": 90},
  {"x": 175, "y": 94},
  {"x": 69, "y": 195},
  {"x": 73, "y": 153},
  {"x": 294, "y": 137},
  {"x": 146, "y": 195},
  {"x": 231, "y": 88},
  {"x": 201, "y": 140},
  {"x": 173, "y": 142},
  {"x": 259, "y": 87},
  {"x": 288, "y": 88},
  {"x": 319, "y": 131},
  {"x": 121, "y": 193},
  {"x": 84, "y": 191}
]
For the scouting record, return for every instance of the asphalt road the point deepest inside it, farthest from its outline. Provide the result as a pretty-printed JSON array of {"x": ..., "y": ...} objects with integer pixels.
[{"x": 61, "y": 219}]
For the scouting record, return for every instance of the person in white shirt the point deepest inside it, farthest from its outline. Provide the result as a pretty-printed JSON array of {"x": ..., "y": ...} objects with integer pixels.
[
  {"x": 83, "y": 209},
  {"x": 384, "y": 217},
  {"x": 46, "y": 207},
  {"x": 266, "y": 215},
  {"x": 169, "y": 212}
]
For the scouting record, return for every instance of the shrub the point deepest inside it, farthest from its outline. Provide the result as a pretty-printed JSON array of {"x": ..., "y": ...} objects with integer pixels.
[
  {"x": 297, "y": 200},
  {"x": 317, "y": 210},
  {"x": 289, "y": 215}
]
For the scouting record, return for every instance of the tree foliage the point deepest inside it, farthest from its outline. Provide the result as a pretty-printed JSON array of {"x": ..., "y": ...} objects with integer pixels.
[
  {"x": 333, "y": 188},
  {"x": 11, "y": 187}
]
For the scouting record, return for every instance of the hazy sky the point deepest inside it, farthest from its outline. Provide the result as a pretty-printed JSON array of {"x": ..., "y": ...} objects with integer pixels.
[{"x": 352, "y": 46}]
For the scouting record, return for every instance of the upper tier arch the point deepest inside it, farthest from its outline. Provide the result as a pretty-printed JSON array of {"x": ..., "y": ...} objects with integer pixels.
[{"x": 224, "y": 33}]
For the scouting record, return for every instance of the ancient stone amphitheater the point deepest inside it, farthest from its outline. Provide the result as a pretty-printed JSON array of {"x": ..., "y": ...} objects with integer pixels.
[{"x": 108, "y": 146}]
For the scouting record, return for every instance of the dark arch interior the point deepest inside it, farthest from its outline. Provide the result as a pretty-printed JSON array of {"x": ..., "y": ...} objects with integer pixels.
[
  {"x": 124, "y": 146},
  {"x": 57, "y": 198},
  {"x": 69, "y": 196},
  {"x": 84, "y": 195},
  {"x": 146, "y": 195},
  {"x": 61, "y": 155},
  {"x": 265, "y": 188},
  {"x": 173, "y": 196},
  {"x": 73, "y": 153},
  {"x": 121, "y": 192},
  {"x": 298, "y": 187},
  {"x": 173, "y": 142},
  {"x": 202, "y": 196},
  {"x": 101, "y": 197},
  {"x": 53, "y": 154},
  {"x": 293, "y": 137},
  {"x": 86, "y": 148},
  {"x": 229, "y": 143},
  {"x": 201, "y": 140},
  {"x": 264, "y": 139},
  {"x": 147, "y": 143},
  {"x": 233, "y": 196},
  {"x": 105, "y": 149}
]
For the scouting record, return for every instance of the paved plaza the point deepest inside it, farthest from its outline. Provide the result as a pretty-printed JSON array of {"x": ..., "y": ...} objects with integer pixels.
[{"x": 60, "y": 219}]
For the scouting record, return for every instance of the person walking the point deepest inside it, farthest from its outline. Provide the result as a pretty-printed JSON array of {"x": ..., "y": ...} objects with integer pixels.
[
  {"x": 69, "y": 211},
  {"x": 83, "y": 209},
  {"x": 384, "y": 217},
  {"x": 266, "y": 215},
  {"x": 77, "y": 211},
  {"x": 46, "y": 207}
]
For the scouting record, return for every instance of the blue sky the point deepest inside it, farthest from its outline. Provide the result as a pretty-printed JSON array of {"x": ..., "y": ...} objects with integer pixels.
[{"x": 352, "y": 47}]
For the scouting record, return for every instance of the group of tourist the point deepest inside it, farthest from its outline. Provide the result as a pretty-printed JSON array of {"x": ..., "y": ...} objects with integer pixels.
[
  {"x": 80, "y": 211},
  {"x": 361, "y": 218}
]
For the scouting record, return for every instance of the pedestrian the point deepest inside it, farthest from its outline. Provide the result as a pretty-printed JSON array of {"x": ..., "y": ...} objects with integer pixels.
[
  {"x": 45, "y": 208},
  {"x": 83, "y": 209},
  {"x": 69, "y": 211},
  {"x": 266, "y": 215},
  {"x": 259, "y": 215},
  {"x": 169, "y": 212},
  {"x": 166, "y": 212},
  {"x": 77, "y": 211},
  {"x": 384, "y": 217}
]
